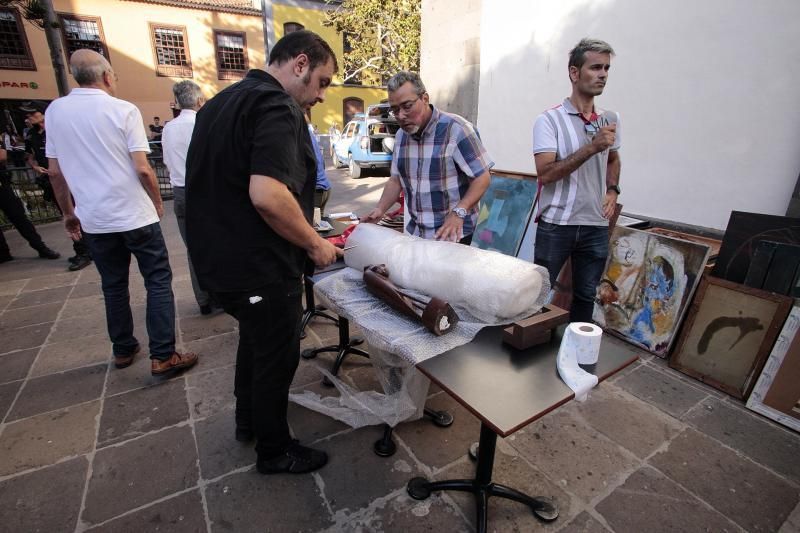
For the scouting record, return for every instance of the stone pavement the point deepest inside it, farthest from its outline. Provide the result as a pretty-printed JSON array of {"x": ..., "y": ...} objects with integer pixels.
[{"x": 87, "y": 447}]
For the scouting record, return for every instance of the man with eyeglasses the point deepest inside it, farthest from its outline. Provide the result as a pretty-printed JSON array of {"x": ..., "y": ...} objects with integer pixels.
[
  {"x": 439, "y": 163},
  {"x": 576, "y": 150}
]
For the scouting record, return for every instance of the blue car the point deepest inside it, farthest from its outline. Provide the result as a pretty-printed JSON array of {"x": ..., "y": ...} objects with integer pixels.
[{"x": 366, "y": 141}]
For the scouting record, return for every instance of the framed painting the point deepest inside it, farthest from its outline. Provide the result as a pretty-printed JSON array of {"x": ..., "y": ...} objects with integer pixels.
[
  {"x": 646, "y": 287},
  {"x": 728, "y": 334},
  {"x": 742, "y": 236},
  {"x": 776, "y": 394},
  {"x": 505, "y": 213}
]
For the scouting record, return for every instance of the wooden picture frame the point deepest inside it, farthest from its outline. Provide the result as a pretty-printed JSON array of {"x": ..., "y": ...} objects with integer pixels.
[
  {"x": 728, "y": 334},
  {"x": 776, "y": 394}
]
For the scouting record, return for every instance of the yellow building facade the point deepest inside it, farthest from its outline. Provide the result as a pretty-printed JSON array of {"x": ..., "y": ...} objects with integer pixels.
[{"x": 153, "y": 44}]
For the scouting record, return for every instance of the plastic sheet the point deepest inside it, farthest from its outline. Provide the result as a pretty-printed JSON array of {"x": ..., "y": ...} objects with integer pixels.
[{"x": 466, "y": 277}]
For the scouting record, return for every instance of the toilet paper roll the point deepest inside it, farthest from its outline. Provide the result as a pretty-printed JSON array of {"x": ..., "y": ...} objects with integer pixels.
[{"x": 580, "y": 345}]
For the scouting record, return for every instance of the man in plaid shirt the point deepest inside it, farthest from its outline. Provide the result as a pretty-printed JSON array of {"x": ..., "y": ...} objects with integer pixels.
[{"x": 439, "y": 163}]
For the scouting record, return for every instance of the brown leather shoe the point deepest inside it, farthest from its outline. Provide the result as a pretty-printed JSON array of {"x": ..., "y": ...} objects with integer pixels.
[
  {"x": 124, "y": 361},
  {"x": 178, "y": 361}
]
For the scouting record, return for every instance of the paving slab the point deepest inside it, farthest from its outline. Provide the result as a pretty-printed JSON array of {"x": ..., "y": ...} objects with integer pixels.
[
  {"x": 661, "y": 389},
  {"x": 220, "y": 452},
  {"x": 141, "y": 411},
  {"x": 308, "y": 372},
  {"x": 747, "y": 493},
  {"x": 400, "y": 512},
  {"x": 648, "y": 501},
  {"x": 77, "y": 328},
  {"x": 182, "y": 514},
  {"x": 216, "y": 351},
  {"x": 139, "y": 471},
  {"x": 27, "y": 316},
  {"x": 354, "y": 476},
  {"x": 584, "y": 523},
  {"x": 25, "y": 337},
  {"x": 8, "y": 392},
  {"x": 47, "y": 438},
  {"x": 627, "y": 420},
  {"x": 56, "y": 391},
  {"x": 51, "y": 281},
  {"x": 435, "y": 446},
  {"x": 792, "y": 524},
  {"x": 249, "y": 501},
  {"x": 200, "y": 327},
  {"x": 89, "y": 288},
  {"x": 44, "y": 500},
  {"x": 76, "y": 353},
  {"x": 514, "y": 471},
  {"x": 12, "y": 287},
  {"x": 310, "y": 426},
  {"x": 5, "y": 299},
  {"x": 573, "y": 454},
  {"x": 15, "y": 365},
  {"x": 85, "y": 306},
  {"x": 211, "y": 392},
  {"x": 762, "y": 440},
  {"x": 45, "y": 296}
]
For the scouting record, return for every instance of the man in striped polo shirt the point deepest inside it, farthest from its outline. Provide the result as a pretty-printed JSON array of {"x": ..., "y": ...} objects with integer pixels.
[
  {"x": 576, "y": 149},
  {"x": 439, "y": 163}
]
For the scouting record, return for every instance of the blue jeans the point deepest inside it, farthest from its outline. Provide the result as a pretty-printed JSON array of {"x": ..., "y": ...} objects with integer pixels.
[
  {"x": 112, "y": 256},
  {"x": 588, "y": 248}
]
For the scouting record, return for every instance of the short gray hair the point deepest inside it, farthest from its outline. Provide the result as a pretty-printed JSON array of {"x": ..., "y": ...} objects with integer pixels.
[
  {"x": 577, "y": 56},
  {"x": 187, "y": 93},
  {"x": 403, "y": 77},
  {"x": 89, "y": 73}
]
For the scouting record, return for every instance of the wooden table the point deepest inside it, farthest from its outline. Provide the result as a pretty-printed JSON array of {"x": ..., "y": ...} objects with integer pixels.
[{"x": 507, "y": 389}]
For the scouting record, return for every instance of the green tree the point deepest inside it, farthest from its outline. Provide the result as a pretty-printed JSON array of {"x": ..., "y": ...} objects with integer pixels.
[
  {"x": 42, "y": 14},
  {"x": 381, "y": 37}
]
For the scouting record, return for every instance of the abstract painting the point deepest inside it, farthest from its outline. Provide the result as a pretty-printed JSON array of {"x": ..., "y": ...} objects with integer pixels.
[
  {"x": 505, "y": 212},
  {"x": 729, "y": 333},
  {"x": 646, "y": 287},
  {"x": 776, "y": 394}
]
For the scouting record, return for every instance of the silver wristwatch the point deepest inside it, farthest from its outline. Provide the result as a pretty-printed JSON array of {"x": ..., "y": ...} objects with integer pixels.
[{"x": 460, "y": 212}]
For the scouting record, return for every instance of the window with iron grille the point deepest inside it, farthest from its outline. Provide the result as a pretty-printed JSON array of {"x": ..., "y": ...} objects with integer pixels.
[
  {"x": 83, "y": 32},
  {"x": 231, "y": 50},
  {"x": 172, "y": 51},
  {"x": 15, "y": 54}
]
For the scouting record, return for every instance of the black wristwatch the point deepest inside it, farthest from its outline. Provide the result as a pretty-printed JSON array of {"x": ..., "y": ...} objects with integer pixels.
[{"x": 614, "y": 188}]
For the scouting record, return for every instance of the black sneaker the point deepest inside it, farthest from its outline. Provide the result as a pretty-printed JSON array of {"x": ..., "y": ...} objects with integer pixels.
[
  {"x": 206, "y": 309},
  {"x": 296, "y": 459},
  {"x": 47, "y": 253},
  {"x": 82, "y": 261},
  {"x": 6, "y": 258}
]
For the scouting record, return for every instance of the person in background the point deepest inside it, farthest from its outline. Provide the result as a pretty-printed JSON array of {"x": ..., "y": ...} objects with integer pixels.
[
  {"x": 576, "y": 150},
  {"x": 323, "y": 189},
  {"x": 14, "y": 211},
  {"x": 175, "y": 144},
  {"x": 156, "y": 129},
  {"x": 97, "y": 150},
  {"x": 37, "y": 159},
  {"x": 439, "y": 163}
]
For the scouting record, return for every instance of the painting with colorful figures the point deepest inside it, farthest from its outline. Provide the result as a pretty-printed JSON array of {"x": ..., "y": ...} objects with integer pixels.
[{"x": 646, "y": 287}]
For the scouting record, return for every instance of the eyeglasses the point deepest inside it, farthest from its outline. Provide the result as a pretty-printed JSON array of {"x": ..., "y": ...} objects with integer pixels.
[
  {"x": 405, "y": 106},
  {"x": 592, "y": 128}
]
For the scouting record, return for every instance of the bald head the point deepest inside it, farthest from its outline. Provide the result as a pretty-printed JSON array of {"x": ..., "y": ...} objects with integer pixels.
[{"x": 88, "y": 67}]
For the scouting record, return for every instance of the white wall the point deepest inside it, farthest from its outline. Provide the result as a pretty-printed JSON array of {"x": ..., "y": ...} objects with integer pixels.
[{"x": 706, "y": 91}]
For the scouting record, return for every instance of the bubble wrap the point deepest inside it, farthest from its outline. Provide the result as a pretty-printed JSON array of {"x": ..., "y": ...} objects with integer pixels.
[
  {"x": 493, "y": 287},
  {"x": 397, "y": 343}
]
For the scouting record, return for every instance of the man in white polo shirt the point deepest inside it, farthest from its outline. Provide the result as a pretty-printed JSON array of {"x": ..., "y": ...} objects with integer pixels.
[
  {"x": 575, "y": 146},
  {"x": 175, "y": 144},
  {"x": 97, "y": 149}
]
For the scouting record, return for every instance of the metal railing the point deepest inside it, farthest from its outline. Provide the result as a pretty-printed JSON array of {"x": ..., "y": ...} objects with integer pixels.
[{"x": 40, "y": 206}]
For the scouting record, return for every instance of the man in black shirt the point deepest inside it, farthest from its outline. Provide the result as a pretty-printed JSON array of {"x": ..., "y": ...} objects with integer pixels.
[
  {"x": 37, "y": 138},
  {"x": 250, "y": 180}
]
